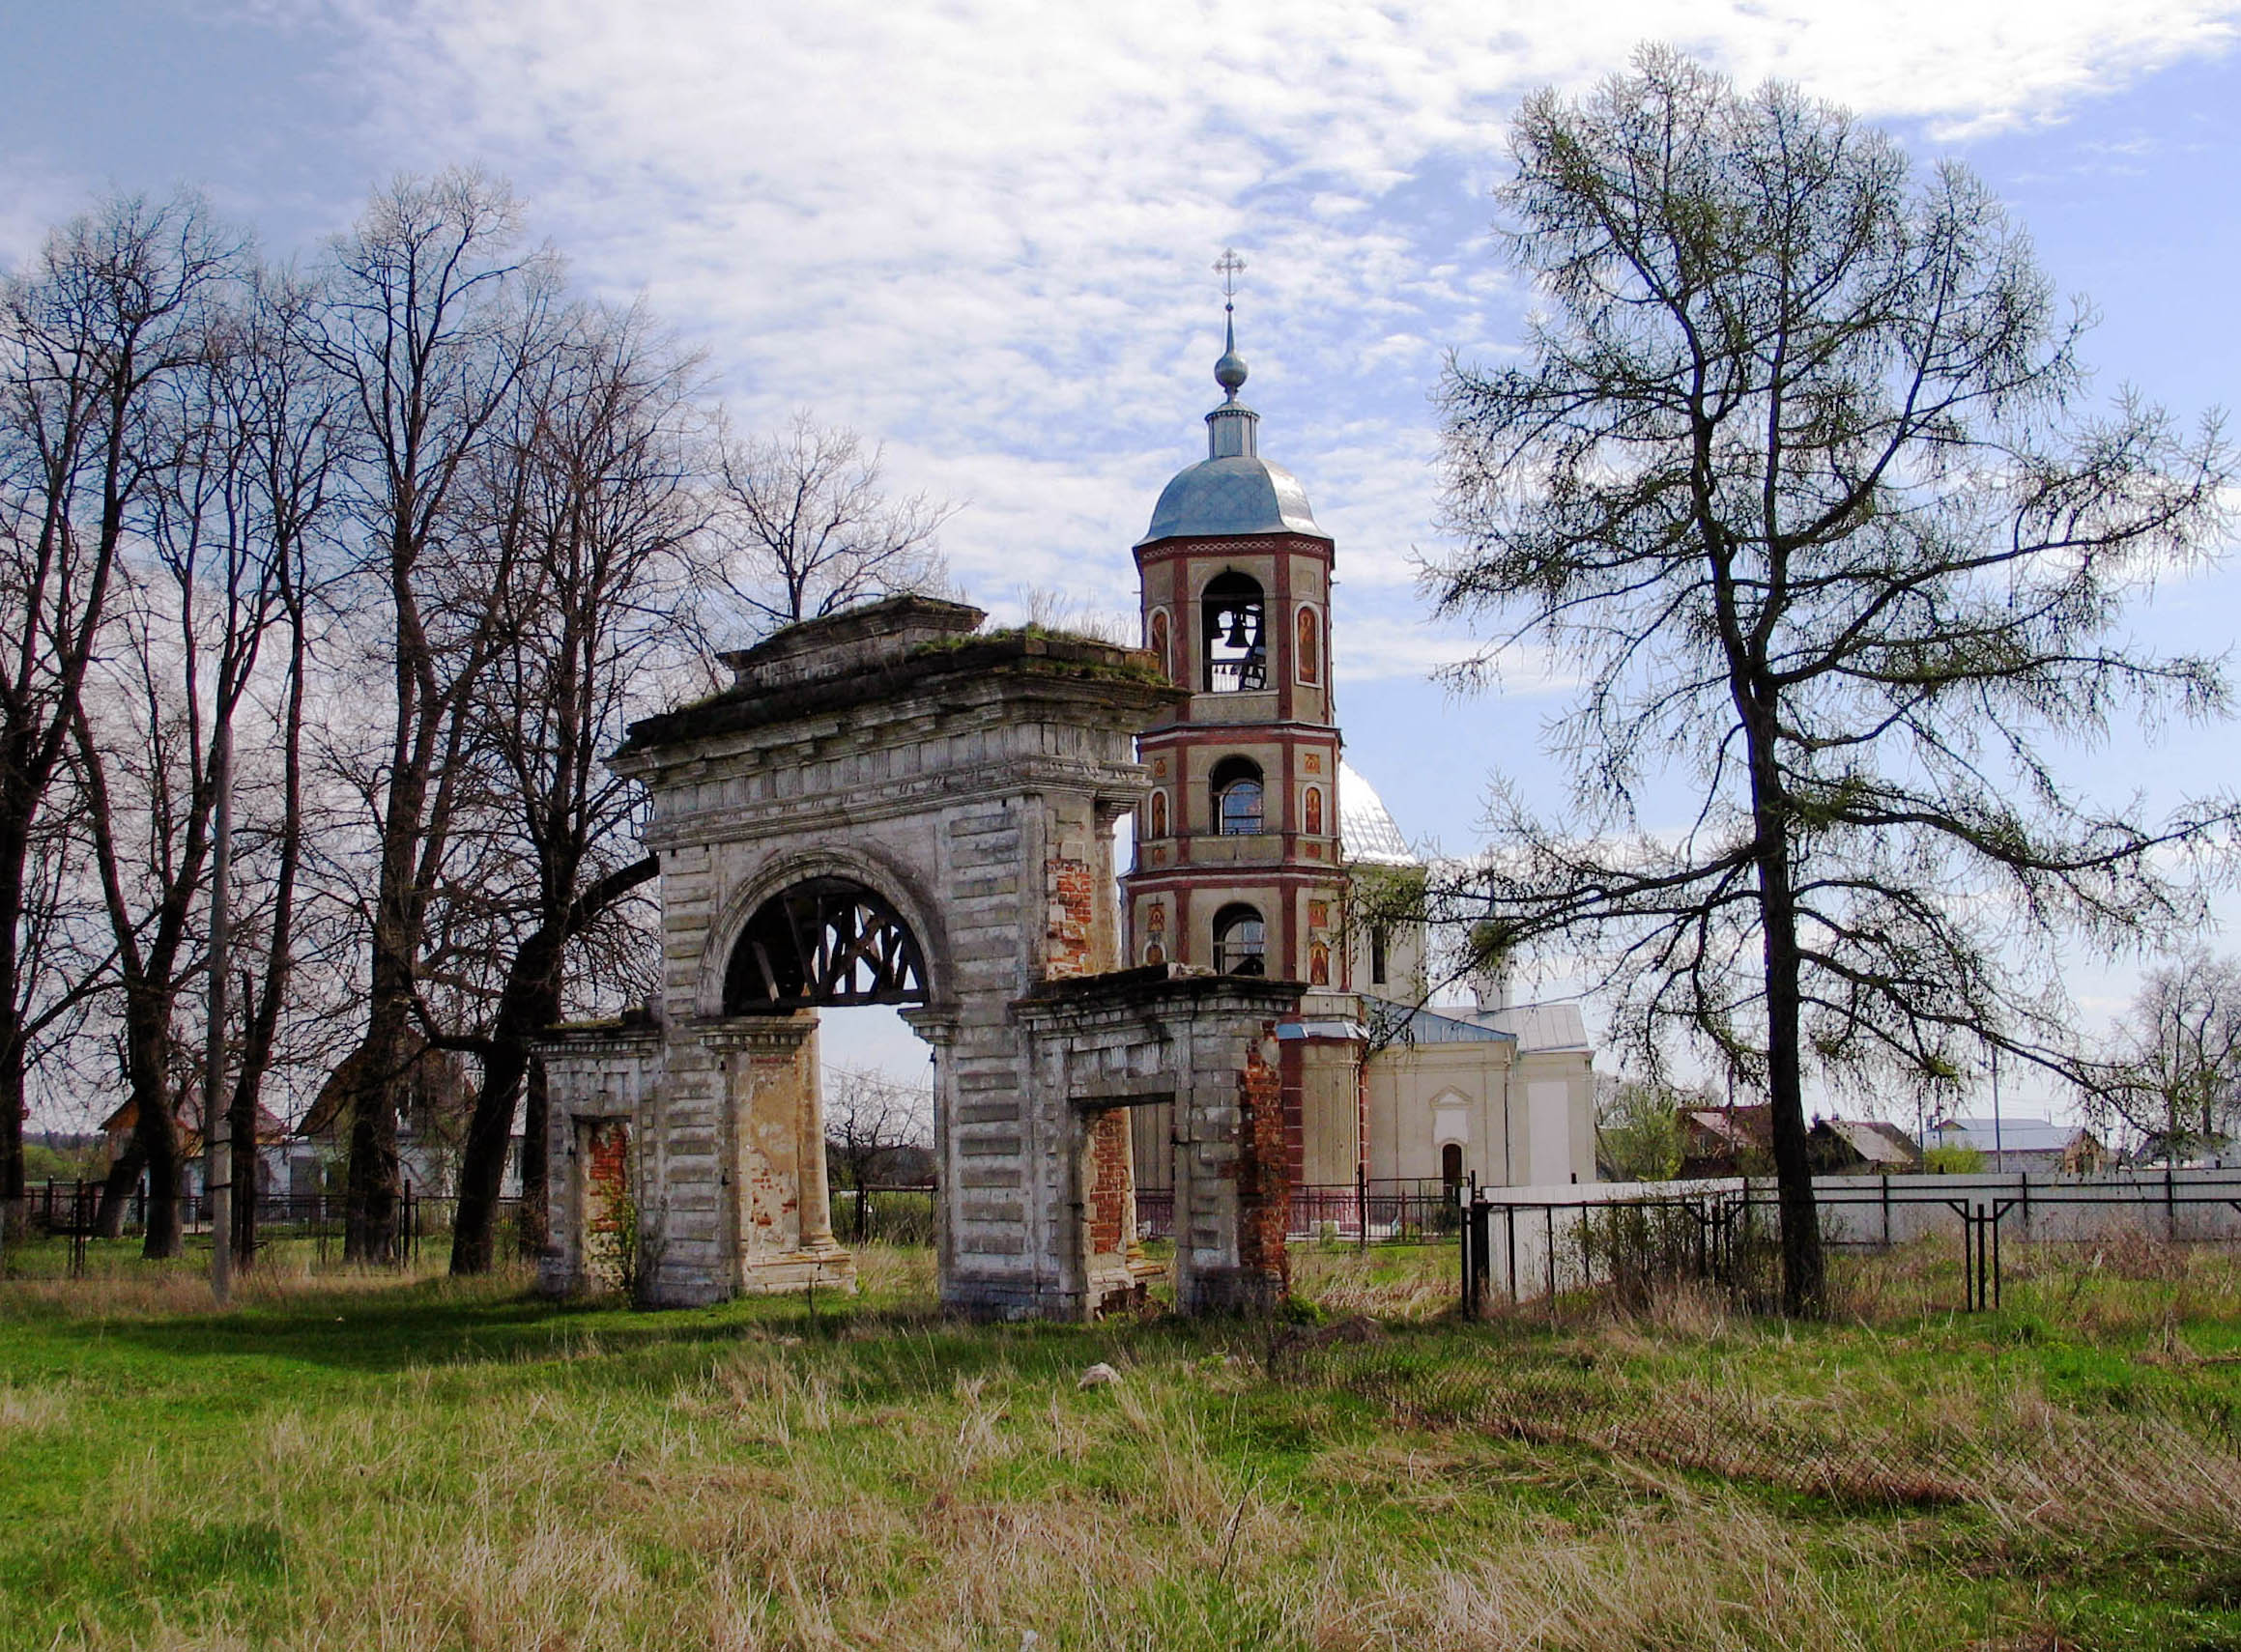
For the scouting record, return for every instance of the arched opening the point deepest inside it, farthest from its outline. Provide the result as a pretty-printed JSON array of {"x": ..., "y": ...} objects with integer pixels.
[
  {"x": 1238, "y": 796},
  {"x": 1240, "y": 941},
  {"x": 1235, "y": 634},
  {"x": 1158, "y": 643},
  {"x": 1451, "y": 1166},
  {"x": 1310, "y": 652},
  {"x": 1159, "y": 815},
  {"x": 1314, "y": 823},
  {"x": 826, "y": 941}
]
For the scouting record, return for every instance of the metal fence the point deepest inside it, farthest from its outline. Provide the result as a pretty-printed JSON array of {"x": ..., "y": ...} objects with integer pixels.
[
  {"x": 71, "y": 1210},
  {"x": 1523, "y": 1243},
  {"x": 1395, "y": 1210}
]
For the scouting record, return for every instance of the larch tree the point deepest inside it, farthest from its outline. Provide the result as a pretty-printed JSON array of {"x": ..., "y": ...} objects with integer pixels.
[{"x": 1797, "y": 478}]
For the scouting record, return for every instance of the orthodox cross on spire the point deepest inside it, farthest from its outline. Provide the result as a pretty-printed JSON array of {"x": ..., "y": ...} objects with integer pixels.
[
  {"x": 1229, "y": 372},
  {"x": 1231, "y": 267}
]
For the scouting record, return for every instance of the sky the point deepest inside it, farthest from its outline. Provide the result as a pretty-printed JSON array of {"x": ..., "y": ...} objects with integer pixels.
[{"x": 983, "y": 232}]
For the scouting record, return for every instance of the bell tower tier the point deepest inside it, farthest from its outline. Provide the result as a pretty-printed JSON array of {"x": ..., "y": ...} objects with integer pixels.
[{"x": 1238, "y": 866}]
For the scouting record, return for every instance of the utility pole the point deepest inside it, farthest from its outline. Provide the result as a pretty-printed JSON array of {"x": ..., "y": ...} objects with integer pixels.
[
  {"x": 1998, "y": 1152},
  {"x": 217, "y": 1123}
]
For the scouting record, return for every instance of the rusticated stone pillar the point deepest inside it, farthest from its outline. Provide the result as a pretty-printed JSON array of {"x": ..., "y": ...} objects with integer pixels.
[{"x": 780, "y": 1224}]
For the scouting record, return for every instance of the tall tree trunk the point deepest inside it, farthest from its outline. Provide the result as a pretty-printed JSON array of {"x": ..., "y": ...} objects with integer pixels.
[
  {"x": 1803, "y": 1281},
  {"x": 372, "y": 1184},
  {"x": 155, "y": 1129},
  {"x": 15, "y": 850},
  {"x": 124, "y": 1175},
  {"x": 529, "y": 1004},
  {"x": 279, "y": 953},
  {"x": 373, "y": 1188}
]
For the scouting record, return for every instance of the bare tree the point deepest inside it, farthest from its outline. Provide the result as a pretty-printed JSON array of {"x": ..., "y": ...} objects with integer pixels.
[
  {"x": 113, "y": 307},
  {"x": 196, "y": 601},
  {"x": 1796, "y": 477},
  {"x": 2176, "y": 1079},
  {"x": 810, "y": 529},
  {"x": 429, "y": 324},
  {"x": 869, "y": 1120},
  {"x": 288, "y": 407},
  {"x": 598, "y": 486}
]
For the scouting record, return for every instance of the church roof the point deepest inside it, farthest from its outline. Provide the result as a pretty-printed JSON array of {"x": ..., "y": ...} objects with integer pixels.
[
  {"x": 1241, "y": 493},
  {"x": 1233, "y": 490},
  {"x": 1367, "y": 831}
]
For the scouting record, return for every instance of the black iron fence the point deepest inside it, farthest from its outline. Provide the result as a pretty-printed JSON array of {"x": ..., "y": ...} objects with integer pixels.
[
  {"x": 73, "y": 1211},
  {"x": 1518, "y": 1245},
  {"x": 1380, "y": 1211}
]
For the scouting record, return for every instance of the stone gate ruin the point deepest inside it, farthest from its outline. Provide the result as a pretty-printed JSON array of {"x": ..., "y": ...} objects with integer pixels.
[{"x": 891, "y": 806}]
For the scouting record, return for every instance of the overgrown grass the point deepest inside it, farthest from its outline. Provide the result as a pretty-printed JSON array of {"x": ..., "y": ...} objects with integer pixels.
[{"x": 370, "y": 1461}]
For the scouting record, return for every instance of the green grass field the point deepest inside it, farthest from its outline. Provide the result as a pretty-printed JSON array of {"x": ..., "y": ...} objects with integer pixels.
[{"x": 364, "y": 1462}]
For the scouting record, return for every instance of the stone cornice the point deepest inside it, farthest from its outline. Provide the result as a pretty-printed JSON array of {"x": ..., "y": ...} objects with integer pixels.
[
  {"x": 933, "y": 680},
  {"x": 732, "y": 821}
]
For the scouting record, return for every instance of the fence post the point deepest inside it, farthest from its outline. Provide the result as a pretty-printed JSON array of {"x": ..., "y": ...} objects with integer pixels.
[
  {"x": 1887, "y": 1182},
  {"x": 1464, "y": 1198},
  {"x": 1997, "y": 1213},
  {"x": 1548, "y": 1213},
  {"x": 1361, "y": 1205},
  {"x": 2170, "y": 1209}
]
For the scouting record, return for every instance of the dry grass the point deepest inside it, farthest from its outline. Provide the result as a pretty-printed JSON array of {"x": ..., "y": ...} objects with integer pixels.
[
  {"x": 1407, "y": 1284},
  {"x": 1676, "y": 1476},
  {"x": 115, "y": 1287}
]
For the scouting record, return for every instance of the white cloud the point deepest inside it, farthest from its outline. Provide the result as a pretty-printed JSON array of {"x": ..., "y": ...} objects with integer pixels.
[{"x": 982, "y": 230}]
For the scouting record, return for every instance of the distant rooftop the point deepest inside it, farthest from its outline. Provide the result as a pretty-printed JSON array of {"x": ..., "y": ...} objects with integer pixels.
[{"x": 2013, "y": 1134}]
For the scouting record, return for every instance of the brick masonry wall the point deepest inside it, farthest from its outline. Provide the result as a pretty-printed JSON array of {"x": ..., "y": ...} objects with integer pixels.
[
  {"x": 1070, "y": 935},
  {"x": 1111, "y": 1193},
  {"x": 607, "y": 1215},
  {"x": 1263, "y": 1185}
]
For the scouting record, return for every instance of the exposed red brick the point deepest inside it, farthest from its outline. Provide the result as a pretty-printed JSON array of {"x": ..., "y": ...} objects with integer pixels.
[
  {"x": 1111, "y": 1190},
  {"x": 1073, "y": 892},
  {"x": 1264, "y": 1185}
]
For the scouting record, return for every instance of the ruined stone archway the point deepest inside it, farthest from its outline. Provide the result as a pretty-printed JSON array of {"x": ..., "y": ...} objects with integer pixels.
[{"x": 889, "y": 805}]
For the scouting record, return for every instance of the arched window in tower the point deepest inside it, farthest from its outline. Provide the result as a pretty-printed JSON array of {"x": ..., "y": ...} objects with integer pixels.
[
  {"x": 1156, "y": 935},
  {"x": 1318, "y": 963},
  {"x": 1159, "y": 815},
  {"x": 1313, "y": 825},
  {"x": 1157, "y": 643},
  {"x": 1237, "y": 796},
  {"x": 1235, "y": 638},
  {"x": 1311, "y": 650},
  {"x": 1240, "y": 941}
]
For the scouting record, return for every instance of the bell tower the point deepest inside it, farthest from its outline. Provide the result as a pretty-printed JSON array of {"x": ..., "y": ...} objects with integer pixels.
[{"x": 1238, "y": 863}]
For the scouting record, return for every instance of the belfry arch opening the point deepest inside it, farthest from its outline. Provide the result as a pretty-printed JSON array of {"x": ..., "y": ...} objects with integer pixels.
[
  {"x": 824, "y": 942},
  {"x": 1234, "y": 632}
]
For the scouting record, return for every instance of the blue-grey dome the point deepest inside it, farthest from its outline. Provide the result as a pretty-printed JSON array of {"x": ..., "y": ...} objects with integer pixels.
[{"x": 1239, "y": 494}]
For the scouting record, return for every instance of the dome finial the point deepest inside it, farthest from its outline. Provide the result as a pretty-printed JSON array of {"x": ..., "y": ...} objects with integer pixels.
[{"x": 1229, "y": 372}]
